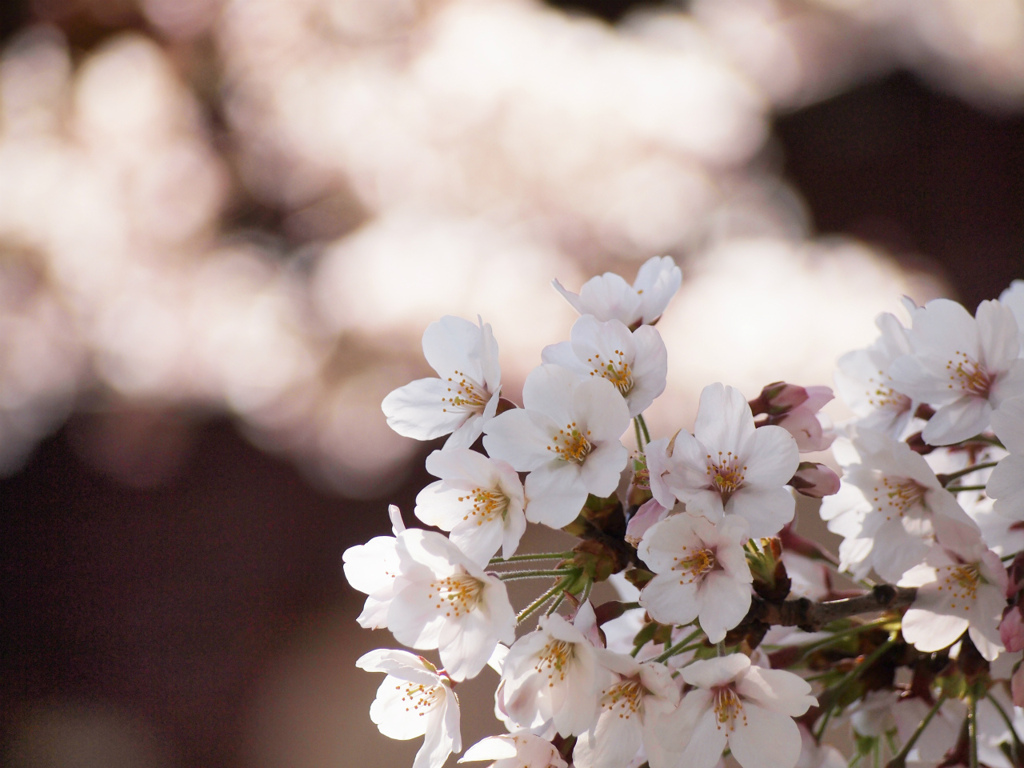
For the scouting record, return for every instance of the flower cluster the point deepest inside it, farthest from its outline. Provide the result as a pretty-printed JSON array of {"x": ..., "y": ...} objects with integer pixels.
[{"x": 726, "y": 616}]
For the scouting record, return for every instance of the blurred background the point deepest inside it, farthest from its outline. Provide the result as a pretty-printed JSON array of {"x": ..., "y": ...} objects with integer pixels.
[{"x": 224, "y": 225}]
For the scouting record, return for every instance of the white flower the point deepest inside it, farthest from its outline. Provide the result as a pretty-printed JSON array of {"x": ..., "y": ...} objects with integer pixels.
[
  {"x": 636, "y": 363},
  {"x": 567, "y": 436},
  {"x": 371, "y": 568},
  {"x": 609, "y": 297},
  {"x": 552, "y": 677},
  {"x": 443, "y": 600},
  {"x": 515, "y": 750},
  {"x": 701, "y": 572},
  {"x": 727, "y": 466},
  {"x": 890, "y": 507},
  {"x": 414, "y": 700},
  {"x": 632, "y": 714},
  {"x": 465, "y": 357},
  {"x": 960, "y": 587},
  {"x": 480, "y": 500},
  {"x": 864, "y": 385},
  {"x": 966, "y": 366},
  {"x": 744, "y": 707},
  {"x": 1006, "y": 484}
]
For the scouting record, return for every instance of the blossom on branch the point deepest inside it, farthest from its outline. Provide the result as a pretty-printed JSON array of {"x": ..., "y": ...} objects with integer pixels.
[
  {"x": 515, "y": 750},
  {"x": 635, "y": 362},
  {"x": 727, "y": 466},
  {"x": 609, "y": 297},
  {"x": 702, "y": 573},
  {"x": 466, "y": 394},
  {"x": 567, "y": 437},
  {"x": 479, "y": 500},
  {"x": 414, "y": 700}
]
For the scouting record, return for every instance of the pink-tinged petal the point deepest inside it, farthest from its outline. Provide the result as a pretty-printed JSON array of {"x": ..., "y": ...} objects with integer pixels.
[
  {"x": 601, "y": 473},
  {"x": 707, "y": 741},
  {"x": 723, "y": 604},
  {"x": 776, "y": 690},
  {"x": 657, "y": 281},
  {"x": 401, "y": 664},
  {"x": 1006, "y": 486},
  {"x": 609, "y": 297},
  {"x": 612, "y": 742},
  {"x": 772, "y": 457},
  {"x": 764, "y": 739},
  {"x": 929, "y": 631},
  {"x": 998, "y": 334},
  {"x": 1008, "y": 424},
  {"x": 711, "y": 673},
  {"x": 724, "y": 421},
  {"x": 958, "y": 421},
  {"x": 490, "y": 748},
  {"x": 599, "y": 403},
  {"x": 521, "y": 437},
  {"x": 453, "y": 344},
  {"x": 438, "y": 744},
  {"x": 766, "y": 510},
  {"x": 549, "y": 389},
  {"x": 650, "y": 369},
  {"x": 417, "y": 410},
  {"x": 551, "y": 502},
  {"x": 670, "y": 601},
  {"x": 560, "y": 354},
  {"x": 945, "y": 324}
]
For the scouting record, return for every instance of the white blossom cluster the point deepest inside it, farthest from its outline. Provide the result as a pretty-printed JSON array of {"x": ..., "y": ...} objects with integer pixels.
[{"x": 931, "y": 501}]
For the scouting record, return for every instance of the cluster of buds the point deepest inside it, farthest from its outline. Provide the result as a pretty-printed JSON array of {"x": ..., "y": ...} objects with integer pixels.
[{"x": 729, "y": 634}]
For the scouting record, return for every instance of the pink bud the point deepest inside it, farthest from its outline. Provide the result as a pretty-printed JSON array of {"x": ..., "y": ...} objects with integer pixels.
[
  {"x": 1011, "y": 629},
  {"x": 814, "y": 480},
  {"x": 649, "y": 513}
]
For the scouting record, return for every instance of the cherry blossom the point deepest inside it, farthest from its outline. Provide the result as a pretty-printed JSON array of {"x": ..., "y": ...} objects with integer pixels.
[
  {"x": 479, "y": 500},
  {"x": 890, "y": 507},
  {"x": 466, "y": 394},
  {"x": 632, "y": 714},
  {"x": 516, "y": 750},
  {"x": 371, "y": 568},
  {"x": 609, "y": 297},
  {"x": 567, "y": 437},
  {"x": 964, "y": 366},
  {"x": 443, "y": 600},
  {"x": 1006, "y": 484},
  {"x": 864, "y": 384},
  {"x": 552, "y": 676},
  {"x": 414, "y": 700},
  {"x": 727, "y": 466},
  {"x": 743, "y": 707},
  {"x": 636, "y": 363},
  {"x": 960, "y": 587},
  {"x": 702, "y": 573}
]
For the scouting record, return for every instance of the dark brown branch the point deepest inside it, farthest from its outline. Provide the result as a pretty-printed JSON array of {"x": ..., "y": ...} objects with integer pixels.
[{"x": 811, "y": 616}]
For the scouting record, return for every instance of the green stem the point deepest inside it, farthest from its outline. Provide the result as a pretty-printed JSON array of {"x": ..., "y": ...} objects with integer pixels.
[
  {"x": 675, "y": 648},
  {"x": 560, "y": 585},
  {"x": 966, "y": 471},
  {"x": 900, "y": 758},
  {"x": 533, "y": 556},
  {"x": 516, "y": 575},
  {"x": 643, "y": 426},
  {"x": 972, "y": 727},
  {"x": 842, "y": 635},
  {"x": 958, "y": 488},
  {"x": 1018, "y": 747}
]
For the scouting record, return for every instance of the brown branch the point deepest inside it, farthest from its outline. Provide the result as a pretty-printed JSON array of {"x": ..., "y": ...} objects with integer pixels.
[{"x": 811, "y": 616}]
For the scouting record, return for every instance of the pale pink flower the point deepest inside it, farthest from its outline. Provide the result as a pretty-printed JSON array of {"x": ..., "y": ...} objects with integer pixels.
[
  {"x": 609, "y": 297},
  {"x": 567, "y": 437},
  {"x": 864, "y": 384},
  {"x": 890, "y": 507},
  {"x": 648, "y": 513},
  {"x": 961, "y": 588},
  {"x": 632, "y": 715},
  {"x": 443, "y": 600},
  {"x": 466, "y": 394},
  {"x": 796, "y": 409},
  {"x": 1011, "y": 630},
  {"x": 515, "y": 750},
  {"x": 371, "y": 568},
  {"x": 551, "y": 677},
  {"x": 1006, "y": 483},
  {"x": 964, "y": 366},
  {"x": 635, "y": 362},
  {"x": 414, "y": 700},
  {"x": 727, "y": 467},
  {"x": 701, "y": 573},
  {"x": 479, "y": 500},
  {"x": 743, "y": 707}
]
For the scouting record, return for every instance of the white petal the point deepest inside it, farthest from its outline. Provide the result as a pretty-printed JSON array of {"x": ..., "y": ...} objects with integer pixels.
[{"x": 765, "y": 739}]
